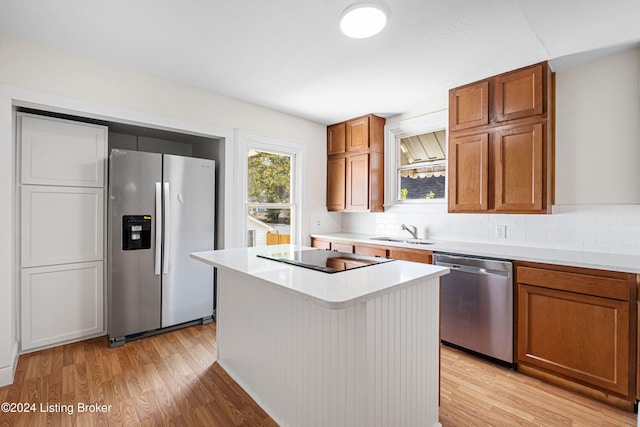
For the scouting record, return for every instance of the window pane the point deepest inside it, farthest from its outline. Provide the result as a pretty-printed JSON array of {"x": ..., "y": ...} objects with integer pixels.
[
  {"x": 269, "y": 226},
  {"x": 427, "y": 147},
  {"x": 426, "y": 182},
  {"x": 269, "y": 177}
]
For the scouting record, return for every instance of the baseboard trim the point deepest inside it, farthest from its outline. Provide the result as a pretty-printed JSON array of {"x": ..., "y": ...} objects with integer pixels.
[{"x": 7, "y": 373}]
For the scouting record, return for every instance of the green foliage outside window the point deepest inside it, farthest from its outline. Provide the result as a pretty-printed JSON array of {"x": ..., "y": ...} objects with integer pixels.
[
  {"x": 403, "y": 193},
  {"x": 269, "y": 178}
]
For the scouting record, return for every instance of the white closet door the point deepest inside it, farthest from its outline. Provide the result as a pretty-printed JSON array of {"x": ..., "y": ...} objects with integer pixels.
[
  {"x": 61, "y": 225},
  {"x": 61, "y": 152},
  {"x": 61, "y": 303}
]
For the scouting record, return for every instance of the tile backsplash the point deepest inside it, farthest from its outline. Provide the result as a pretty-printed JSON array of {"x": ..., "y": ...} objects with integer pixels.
[{"x": 590, "y": 228}]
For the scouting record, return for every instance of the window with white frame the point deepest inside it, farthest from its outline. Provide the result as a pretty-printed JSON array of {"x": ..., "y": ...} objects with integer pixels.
[
  {"x": 416, "y": 160},
  {"x": 269, "y": 183},
  {"x": 269, "y": 204},
  {"x": 422, "y": 167}
]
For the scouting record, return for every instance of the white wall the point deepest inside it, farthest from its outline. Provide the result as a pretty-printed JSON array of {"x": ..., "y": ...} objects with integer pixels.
[
  {"x": 36, "y": 75},
  {"x": 598, "y": 131},
  {"x": 597, "y": 173}
]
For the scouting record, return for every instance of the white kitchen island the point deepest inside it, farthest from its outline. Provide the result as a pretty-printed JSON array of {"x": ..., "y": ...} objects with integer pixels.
[{"x": 353, "y": 348}]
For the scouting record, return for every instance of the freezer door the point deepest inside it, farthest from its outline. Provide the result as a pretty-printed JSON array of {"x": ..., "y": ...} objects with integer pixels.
[
  {"x": 187, "y": 285},
  {"x": 134, "y": 288}
]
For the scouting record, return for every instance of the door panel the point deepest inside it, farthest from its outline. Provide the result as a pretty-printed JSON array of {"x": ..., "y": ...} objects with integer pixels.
[
  {"x": 358, "y": 182},
  {"x": 62, "y": 152},
  {"x": 187, "y": 285},
  {"x": 61, "y": 302},
  {"x": 61, "y": 225},
  {"x": 336, "y": 183},
  {"x": 469, "y": 106},
  {"x": 578, "y": 336},
  {"x": 519, "y": 170},
  {"x": 469, "y": 173},
  {"x": 336, "y": 139},
  {"x": 358, "y": 134},
  {"x": 519, "y": 94},
  {"x": 134, "y": 304}
]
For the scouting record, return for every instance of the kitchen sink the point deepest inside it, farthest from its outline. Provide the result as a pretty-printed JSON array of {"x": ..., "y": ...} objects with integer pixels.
[
  {"x": 420, "y": 241},
  {"x": 388, "y": 239},
  {"x": 398, "y": 240}
]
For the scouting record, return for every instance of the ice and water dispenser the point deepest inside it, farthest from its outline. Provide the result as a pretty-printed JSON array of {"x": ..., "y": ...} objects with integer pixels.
[{"x": 136, "y": 232}]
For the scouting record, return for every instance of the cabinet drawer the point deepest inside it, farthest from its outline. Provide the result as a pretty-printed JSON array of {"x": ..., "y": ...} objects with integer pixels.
[
  {"x": 415, "y": 255},
  {"x": 342, "y": 247},
  {"x": 605, "y": 284},
  {"x": 320, "y": 244},
  {"x": 376, "y": 251}
]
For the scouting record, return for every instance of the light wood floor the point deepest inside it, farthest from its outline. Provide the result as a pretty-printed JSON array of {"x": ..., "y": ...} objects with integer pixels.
[{"x": 172, "y": 379}]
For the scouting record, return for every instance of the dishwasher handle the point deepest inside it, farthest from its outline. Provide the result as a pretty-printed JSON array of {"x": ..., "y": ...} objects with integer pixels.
[{"x": 474, "y": 270}]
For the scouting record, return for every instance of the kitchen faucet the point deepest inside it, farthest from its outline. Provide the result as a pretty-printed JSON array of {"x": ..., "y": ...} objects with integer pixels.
[{"x": 411, "y": 229}]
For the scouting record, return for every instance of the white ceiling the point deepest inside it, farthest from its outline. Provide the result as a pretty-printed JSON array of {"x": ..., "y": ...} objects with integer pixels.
[{"x": 289, "y": 55}]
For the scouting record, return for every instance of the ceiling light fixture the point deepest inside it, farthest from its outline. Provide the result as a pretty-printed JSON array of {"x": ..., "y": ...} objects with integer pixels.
[{"x": 363, "y": 20}]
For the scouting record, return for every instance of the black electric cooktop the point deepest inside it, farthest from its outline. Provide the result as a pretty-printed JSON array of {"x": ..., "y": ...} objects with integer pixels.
[{"x": 325, "y": 261}]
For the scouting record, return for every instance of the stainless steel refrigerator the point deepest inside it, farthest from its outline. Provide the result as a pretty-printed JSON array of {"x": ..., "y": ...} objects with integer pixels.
[{"x": 161, "y": 208}]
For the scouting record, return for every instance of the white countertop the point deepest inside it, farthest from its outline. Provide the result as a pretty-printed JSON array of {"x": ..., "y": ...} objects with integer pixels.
[
  {"x": 337, "y": 290},
  {"x": 599, "y": 261}
]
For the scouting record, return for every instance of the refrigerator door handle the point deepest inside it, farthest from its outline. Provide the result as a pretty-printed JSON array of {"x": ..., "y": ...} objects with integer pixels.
[
  {"x": 158, "y": 228},
  {"x": 167, "y": 229}
]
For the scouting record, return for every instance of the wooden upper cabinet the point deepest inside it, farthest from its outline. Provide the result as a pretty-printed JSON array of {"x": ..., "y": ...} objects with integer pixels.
[
  {"x": 336, "y": 183},
  {"x": 519, "y": 94},
  {"x": 469, "y": 173},
  {"x": 519, "y": 169},
  {"x": 336, "y": 138},
  {"x": 508, "y": 118},
  {"x": 355, "y": 165},
  {"x": 638, "y": 340},
  {"x": 469, "y": 106},
  {"x": 357, "y": 183},
  {"x": 358, "y": 134}
]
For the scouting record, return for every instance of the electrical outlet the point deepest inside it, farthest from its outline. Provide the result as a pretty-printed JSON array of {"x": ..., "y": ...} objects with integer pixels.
[
  {"x": 501, "y": 231},
  {"x": 318, "y": 222}
]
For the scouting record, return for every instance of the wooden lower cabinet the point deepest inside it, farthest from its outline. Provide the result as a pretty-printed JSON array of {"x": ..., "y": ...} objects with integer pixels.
[
  {"x": 577, "y": 327},
  {"x": 394, "y": 252},
  {"x": 342, "y": 247},
  {"x": 320, "y": 243},
  {"x": 371, "y": 250},
  {"x": 415, "y": 255}
]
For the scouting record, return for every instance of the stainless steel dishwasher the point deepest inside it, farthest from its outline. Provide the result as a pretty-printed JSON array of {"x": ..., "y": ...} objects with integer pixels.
[{"x": 476, "y": 304}]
